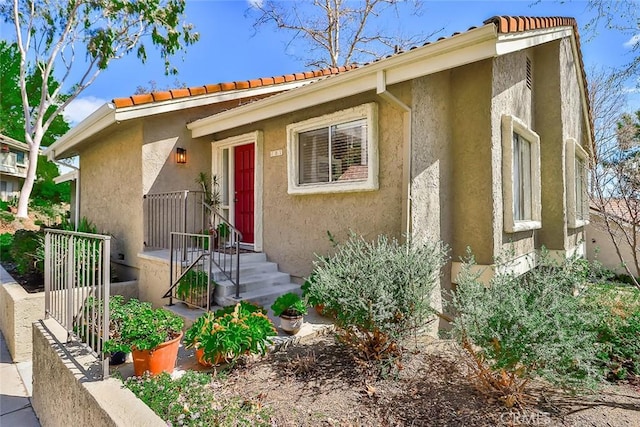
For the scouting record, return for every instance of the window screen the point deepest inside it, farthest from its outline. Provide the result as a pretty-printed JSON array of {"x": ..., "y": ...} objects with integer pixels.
[{"x": 334, "y": 153}]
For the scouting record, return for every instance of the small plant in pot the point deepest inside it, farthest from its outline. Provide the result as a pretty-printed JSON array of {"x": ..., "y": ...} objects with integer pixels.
[
  {"x": 151, "y": 335},
  {"x": 230, "y": 333},
  {"x": 291, "y": 310},
  {"x": 192, "y": 288}
]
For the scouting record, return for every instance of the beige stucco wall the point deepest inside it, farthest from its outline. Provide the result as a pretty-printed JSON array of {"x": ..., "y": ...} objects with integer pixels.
[
  {"x": 18, "y": 310},
  {"x": 295, "y": 226},
  {"x": 472, "y": 190},
  {"x": 511, "y": 96},
  {"x": 111, "y": 189},
  {"x": 68, "y": 390},
  {"x": 557, "y": 96}
]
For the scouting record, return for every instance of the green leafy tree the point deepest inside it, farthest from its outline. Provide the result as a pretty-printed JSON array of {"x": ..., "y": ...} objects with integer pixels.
[
  {"x": 45, "y": 191},
  {"x": 51, "y": 33}
]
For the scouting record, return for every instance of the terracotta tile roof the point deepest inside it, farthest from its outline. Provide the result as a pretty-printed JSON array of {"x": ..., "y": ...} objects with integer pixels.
[
  {"x": 627, "y": 210},
  {"x": 147, "y": 98},
  {"x": 504, "y": 25}
]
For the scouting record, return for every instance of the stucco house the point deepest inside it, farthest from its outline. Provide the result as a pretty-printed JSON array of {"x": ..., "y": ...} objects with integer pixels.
[
  {"x": 479, "y": 139},
  {"x": 14, "y": 159}
]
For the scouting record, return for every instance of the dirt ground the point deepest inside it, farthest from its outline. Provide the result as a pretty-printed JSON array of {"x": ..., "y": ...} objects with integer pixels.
[{"x": 319, "y": 384}]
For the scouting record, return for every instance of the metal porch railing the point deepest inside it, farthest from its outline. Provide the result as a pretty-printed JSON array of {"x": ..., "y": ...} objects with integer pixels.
[
  {"x": 77, "y": 283},
  {"x": 196, "y": 235},
  {"x": 177, "y": 211}
]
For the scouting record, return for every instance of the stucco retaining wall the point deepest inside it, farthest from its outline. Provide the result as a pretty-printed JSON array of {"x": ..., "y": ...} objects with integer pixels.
[
  {"x": 67, "y": 389},
  {"x": 18, "y": 310}
]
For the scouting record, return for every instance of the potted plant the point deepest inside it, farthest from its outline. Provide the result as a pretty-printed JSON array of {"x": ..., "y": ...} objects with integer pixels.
[
  {"x": 229, "y": 333},
  {"x": 192, "y": 288},
  {"x": 291, "y": 310},
  {"x": 151, "y": 335}
]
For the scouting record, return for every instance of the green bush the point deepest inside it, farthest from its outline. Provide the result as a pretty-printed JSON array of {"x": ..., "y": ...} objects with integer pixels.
[
  {"x": 191, "y": 400},
  {"x": 141, "y": 326},
  {"x": 27, "y": 251},
  {"x": 379, "y": 291},
  {"x": 518, "y": 328},
  {"x": 6, "y": 241},
  {"x": 617, "y": 326}
]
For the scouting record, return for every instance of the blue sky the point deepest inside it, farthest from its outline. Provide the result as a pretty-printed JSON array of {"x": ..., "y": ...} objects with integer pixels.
[{"x": 229, "y": 48}]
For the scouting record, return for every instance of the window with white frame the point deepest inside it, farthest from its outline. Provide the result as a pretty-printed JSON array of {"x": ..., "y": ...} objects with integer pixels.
[
  {"x": 577, "y": 204},
  {"x": 334, "y": 153},
  {"x": 520, "y": 176}
]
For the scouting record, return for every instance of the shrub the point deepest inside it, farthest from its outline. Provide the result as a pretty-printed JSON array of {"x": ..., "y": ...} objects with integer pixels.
[
  {"x": 6, "y": 241},
  {"x": 617, "y": 327},
  {"x": 191, "y": 400},
  {"x": 27, "y": 251},
  {"x": 379, "y": 291},
  {"x": 231, "y": 333},
  {"x": 142, "y": 327},
  {"x": 517, "y": 328}
]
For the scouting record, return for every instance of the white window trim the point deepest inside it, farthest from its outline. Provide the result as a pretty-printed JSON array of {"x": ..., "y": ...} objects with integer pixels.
[
  {"x": 511, "y": 124},
  {"x": 365, "y": 111},
  {"x": 573, "y": 150}
]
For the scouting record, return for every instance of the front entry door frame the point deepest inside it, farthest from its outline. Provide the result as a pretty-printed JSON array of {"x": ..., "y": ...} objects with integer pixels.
[{"x": 222, "y": 164}]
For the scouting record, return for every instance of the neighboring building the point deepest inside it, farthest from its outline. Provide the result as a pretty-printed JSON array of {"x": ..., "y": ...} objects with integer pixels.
[
  {"x": 624, "y": 222},
  {"x": 14, "y": 159},
  {"x": 479, "y": 140}
]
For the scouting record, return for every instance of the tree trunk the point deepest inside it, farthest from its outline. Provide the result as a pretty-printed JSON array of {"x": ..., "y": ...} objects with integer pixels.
[{"x": 27, "y": 186}]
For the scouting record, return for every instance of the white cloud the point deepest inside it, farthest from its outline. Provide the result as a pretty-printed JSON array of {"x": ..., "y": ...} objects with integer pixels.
[
  {"x": 632, "y": 41},
  {"x": 80, "y": 108},
  {"x": 255, "y": 3}
]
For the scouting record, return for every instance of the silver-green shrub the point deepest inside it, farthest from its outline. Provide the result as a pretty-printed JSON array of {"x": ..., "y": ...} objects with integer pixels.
[
  {"x": 378, "y": 291},
  {"x": 517, "y": 328}
]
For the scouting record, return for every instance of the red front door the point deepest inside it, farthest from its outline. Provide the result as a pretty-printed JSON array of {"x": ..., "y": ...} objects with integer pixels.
[{"x": 244, "y": 165}]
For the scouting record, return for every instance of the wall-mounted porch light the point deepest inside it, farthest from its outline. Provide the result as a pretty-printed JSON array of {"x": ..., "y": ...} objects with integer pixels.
[{"x": 181, "y": 155}]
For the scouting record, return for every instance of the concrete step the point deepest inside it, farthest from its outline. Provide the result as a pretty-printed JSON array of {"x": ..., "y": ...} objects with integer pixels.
[
  {"x": 252, "y": 282},
  {"x": 246, "y": 269},
  {"x": 245, "y": 258},
  {"x": 264, "y": 296}
]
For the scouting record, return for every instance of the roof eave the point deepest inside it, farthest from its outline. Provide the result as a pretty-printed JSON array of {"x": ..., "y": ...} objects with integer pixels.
[{"x": 97, "y": 121}]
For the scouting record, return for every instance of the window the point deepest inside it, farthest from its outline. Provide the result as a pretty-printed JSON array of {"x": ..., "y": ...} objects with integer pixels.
[
  {"x": 520, "y": 176},
  {"x": 577, "y": 205},
  {"x": 20, "y": 158},
  {"x": 334, "y": 153}
]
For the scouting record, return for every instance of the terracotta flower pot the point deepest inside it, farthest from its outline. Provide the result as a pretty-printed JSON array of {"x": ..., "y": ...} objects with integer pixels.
[
  {"x": 219, "y": 359},
  {"x": 291, "y": 324},
  {"x": 160, "y": 359}
]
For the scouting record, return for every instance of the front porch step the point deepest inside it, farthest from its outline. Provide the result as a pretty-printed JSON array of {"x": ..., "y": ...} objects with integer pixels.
[
  {"x": 251, "y": 282},
  {"x": 245, "y": 258},
  {"x": 246, "y": 269}
]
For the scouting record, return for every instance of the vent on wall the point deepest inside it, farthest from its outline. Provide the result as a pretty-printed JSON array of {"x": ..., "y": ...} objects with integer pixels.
[{"x": 529, "y": 79}]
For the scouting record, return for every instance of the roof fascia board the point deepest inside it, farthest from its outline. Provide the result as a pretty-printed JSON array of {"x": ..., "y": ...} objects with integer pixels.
[
  {"x": 69, "y": 176},
  {"x": 583, "y": 93},
  {"x": 460, "y": 49},
  {"x": 6, "y": 140},
  {"x": 150, "y": 109},
  {"x": 508, "y": 43},
  {"x": 98, "y": 120}
]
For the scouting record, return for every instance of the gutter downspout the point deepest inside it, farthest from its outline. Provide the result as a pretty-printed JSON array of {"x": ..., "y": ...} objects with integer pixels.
[
  {"x": 76, "y": 208},
  {"x": 381, "y": 89}
]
